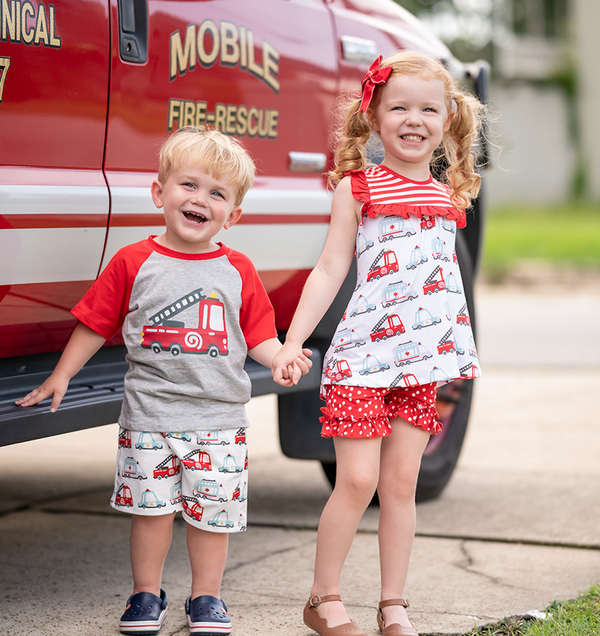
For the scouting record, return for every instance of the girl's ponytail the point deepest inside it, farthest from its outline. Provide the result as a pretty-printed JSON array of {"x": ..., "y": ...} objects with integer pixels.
[
  {"x": 350, "y": 143},
  {"x": 458, "y": 145}
]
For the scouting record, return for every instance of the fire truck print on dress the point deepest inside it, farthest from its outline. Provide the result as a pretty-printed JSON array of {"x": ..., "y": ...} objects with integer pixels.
[{"x": 407, "y": 323}]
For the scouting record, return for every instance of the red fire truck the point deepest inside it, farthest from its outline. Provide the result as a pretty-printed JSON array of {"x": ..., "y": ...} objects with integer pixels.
[
  {"x": 197, "y": 460},
  {"x": 337, "y": 370},
  {"x": 210, "y": 336},
  {"x": 380, "y": 268},
  {"x": 390, "y": 325},
  {"x": 167, "y": 468},
  {"x": 432, "y": 284},
  {"x": 88, "y": 93},
  {"x": 192, "y": 508}
]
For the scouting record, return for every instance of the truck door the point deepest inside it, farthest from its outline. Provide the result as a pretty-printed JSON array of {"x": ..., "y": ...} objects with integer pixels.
[
  {"x": 54, "y": 65},
  {"x": 265, "y": 72},
  {"x": 369, "y": 28}
]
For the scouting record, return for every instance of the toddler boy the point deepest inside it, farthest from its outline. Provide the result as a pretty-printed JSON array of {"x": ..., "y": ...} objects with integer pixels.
[{"x": 200, "y": 308}]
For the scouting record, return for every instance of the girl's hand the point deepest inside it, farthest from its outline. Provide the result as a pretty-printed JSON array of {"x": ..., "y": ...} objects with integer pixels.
[
  {"x": 290, "y": 362},
  {"x": 56, "y": 386},
  {"x": 302, "y": 365}
]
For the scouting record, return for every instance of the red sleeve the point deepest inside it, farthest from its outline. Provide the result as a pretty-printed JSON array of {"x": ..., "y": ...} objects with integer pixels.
[
  {"x": 257, "y": 317},
  {"x": 360, "y": 187},
  {"x": 105, "y": 305}
]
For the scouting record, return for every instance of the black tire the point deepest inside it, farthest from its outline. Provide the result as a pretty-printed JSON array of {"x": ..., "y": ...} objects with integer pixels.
[{"x": 454, "y": 405}]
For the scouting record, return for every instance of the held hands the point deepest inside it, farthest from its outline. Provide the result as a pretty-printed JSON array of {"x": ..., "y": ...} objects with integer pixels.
[
  {"x": 290, "y": 363},
  {"x": 56, "y": 386}
]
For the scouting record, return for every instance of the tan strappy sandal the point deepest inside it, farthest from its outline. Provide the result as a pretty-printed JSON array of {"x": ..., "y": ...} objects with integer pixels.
[
  {"x": 394, "y": 629},
  {"x": 318, "y": 624}
]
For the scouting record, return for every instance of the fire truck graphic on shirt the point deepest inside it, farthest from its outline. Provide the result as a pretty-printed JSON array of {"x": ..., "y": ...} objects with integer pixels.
[{"x": 209, "y": 336}]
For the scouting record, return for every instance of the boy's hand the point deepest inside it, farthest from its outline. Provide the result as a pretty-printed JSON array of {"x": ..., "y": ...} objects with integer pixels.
[{"x": 56, "y": 386}]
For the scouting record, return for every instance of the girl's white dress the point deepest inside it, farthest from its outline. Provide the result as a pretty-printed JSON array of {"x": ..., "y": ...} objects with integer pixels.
[{"x": 407, "y": 323}]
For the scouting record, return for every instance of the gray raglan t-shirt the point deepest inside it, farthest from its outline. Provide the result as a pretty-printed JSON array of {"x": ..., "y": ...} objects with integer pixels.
[{"x": 187, "y": 321}]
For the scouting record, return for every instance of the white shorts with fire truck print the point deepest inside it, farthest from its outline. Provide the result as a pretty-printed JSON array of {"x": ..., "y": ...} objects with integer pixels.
[{"x": 202, "y": 473}]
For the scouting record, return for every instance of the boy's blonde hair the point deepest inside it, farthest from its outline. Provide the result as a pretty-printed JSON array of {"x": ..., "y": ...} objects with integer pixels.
[
  {"x": 458, "y": 142},
  {"x": 211, "y": 151}
]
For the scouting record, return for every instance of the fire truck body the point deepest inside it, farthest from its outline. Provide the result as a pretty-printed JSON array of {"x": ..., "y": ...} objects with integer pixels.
[
  {"x": 337, "y": 370},
  {"x": 125, "y": 439},
  {"x": 210, "y": 336},
  {"x": 197, "y": 460},
  {"x": 462, "y": 317},
  {"x": 123, "y": 496},
  {"x": 390, "y": 325},
  {"x": 82, "y": 114},
  {"x": 432, "y": 284},
  {"x": 390, "y": 264},
  {"x": 169, "y": 467},
  {"x": 446, "y": 343},
  {"x": 192, "y": 508}
]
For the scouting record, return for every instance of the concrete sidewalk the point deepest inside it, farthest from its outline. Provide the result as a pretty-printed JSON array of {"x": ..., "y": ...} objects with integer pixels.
[{"x": 517, "y": 527}]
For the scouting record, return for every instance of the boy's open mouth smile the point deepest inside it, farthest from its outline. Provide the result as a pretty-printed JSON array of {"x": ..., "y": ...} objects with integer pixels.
[{"x": 197, "y": 219}]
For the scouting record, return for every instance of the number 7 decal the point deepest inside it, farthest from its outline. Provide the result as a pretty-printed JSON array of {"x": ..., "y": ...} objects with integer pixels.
[{"x": 4, "y": 66}]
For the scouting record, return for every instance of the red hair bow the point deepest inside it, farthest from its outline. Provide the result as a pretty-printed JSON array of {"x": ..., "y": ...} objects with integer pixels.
[{"x": 375, "y": 76}]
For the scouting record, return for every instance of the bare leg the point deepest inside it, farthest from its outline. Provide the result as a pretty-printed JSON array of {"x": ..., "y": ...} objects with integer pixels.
[
  {"x": 401, "y": 454},
  {"x": 149, "y": 542},
  {"x": 208, "y": 554},
  {"x": 356, "y": 480}
]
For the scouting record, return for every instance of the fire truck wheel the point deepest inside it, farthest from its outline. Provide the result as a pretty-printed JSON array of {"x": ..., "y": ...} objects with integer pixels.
[
  {"x": 213, "y": 352},
  {"x": 175, "y": 350},
  {"x": 156, "y": 348}
]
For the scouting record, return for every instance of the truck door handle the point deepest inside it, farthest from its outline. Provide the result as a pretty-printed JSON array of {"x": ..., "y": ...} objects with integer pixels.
[
  {"x": 133, "y": 31},
  {"x": 307, "y": 161}
]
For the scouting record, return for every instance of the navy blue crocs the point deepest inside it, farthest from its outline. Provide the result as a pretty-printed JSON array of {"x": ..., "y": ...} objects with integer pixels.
[
  {"x": 144, "y": 614},
  {"x": 207, "y": 615}
]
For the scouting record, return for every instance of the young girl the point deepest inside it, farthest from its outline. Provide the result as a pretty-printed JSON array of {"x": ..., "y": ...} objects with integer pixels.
[{"x": 406, "y": 327}]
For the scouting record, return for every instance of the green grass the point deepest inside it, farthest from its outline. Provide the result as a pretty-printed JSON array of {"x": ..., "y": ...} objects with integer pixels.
[
  {"x": 562, "y": 235},
  {"x": 580, "y": 617}
]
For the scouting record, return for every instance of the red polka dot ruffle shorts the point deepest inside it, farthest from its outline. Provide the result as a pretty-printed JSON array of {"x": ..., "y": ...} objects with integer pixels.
[{"x": 356, "y": 411}]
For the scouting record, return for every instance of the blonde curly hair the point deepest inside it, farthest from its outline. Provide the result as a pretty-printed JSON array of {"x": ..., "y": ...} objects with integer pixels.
[
  {"x": 212, "y": 152},
  {"x": 350, "y": 140}
]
